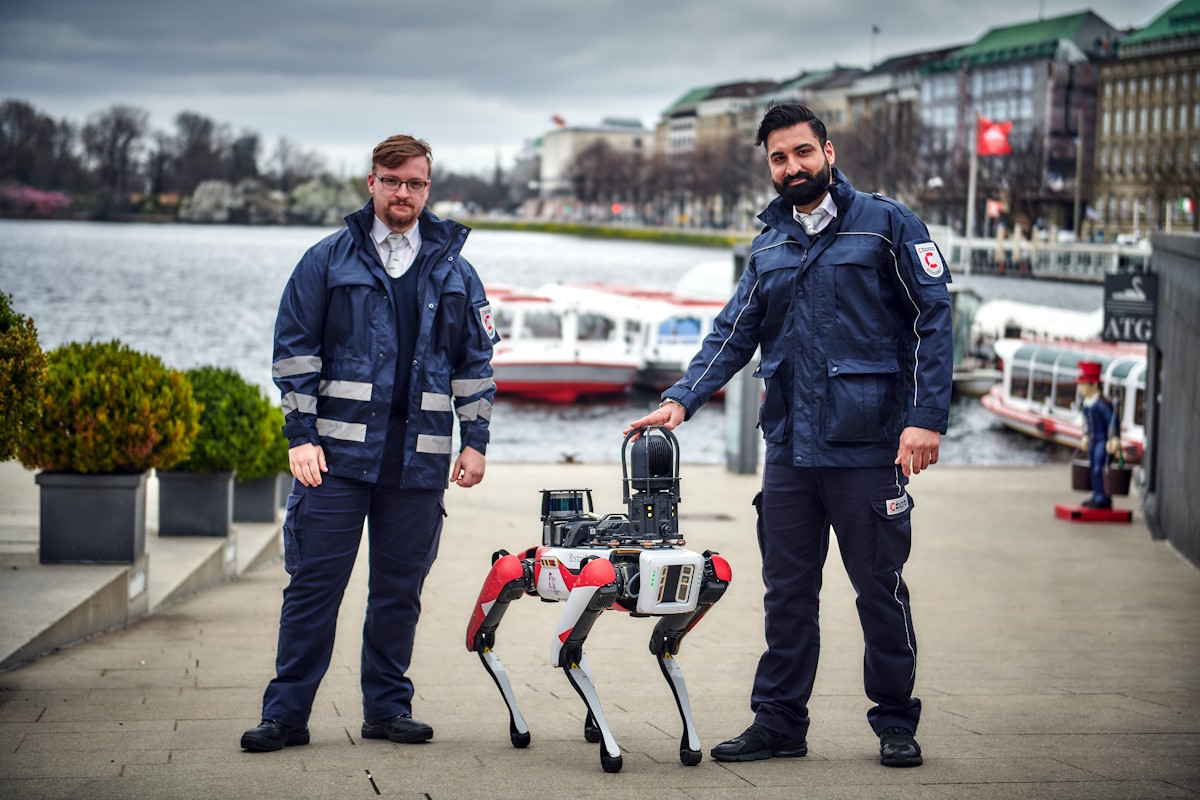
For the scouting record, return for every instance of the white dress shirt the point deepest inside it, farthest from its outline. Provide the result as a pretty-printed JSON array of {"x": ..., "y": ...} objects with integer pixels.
[{"x": 380, "y": 233}]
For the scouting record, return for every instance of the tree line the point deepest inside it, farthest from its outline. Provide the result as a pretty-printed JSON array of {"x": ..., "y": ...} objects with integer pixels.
[{"x": 115, "y": 165}]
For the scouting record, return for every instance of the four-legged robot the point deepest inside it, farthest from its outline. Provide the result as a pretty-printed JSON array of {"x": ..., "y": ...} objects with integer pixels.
[{"x": 633, "y": 563}]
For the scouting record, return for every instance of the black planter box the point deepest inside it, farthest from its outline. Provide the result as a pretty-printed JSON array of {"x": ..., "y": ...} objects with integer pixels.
[
  {"x": 91, "y": 519},
  {"x": 195, "y": 503},
  {"x": 256, "y": 500}
]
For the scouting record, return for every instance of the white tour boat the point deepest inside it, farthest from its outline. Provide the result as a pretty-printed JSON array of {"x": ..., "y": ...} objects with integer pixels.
[{"x": 1037, "y": 393}]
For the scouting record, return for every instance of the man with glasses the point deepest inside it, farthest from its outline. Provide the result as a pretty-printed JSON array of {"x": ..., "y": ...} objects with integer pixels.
[{"x": 384, "y": 336}]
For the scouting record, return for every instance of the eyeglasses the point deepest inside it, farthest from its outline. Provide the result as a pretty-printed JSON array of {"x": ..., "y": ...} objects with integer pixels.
[{"x": 393, "y": 184}]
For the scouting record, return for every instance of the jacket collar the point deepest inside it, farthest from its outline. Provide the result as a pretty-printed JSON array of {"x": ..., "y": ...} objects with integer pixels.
[
  {"x": 436, "y": 233},
  {"x": 778, "y": 214}
]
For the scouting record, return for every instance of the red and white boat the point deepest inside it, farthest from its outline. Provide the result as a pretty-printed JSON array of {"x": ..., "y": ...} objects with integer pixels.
[
  {"x": 1038, "y": 397},
  {"x": 563, "y": 342},
  {"x": 557, "y": 353}
]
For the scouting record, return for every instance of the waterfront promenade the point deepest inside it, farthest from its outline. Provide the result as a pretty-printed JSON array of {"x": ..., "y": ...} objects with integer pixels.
[{"x": 1057, "y": 660}]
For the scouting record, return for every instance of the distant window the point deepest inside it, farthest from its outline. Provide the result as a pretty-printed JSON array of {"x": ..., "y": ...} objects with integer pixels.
[
  {"x": 1020, "y": 381},
  {"x": 1043, "y": 385},
  {"x": 679, "y": 330},
  {"x": 542, "y": 325},
  {"x": 1065, "y": 389},
  {"x": 1027, "y": 78},
  {"x": 1169, "y": 122},
  {"x": 595, "y": 328},
  {"x": 1106, "y": 125},
  {"x": 1154, "y": 119}
]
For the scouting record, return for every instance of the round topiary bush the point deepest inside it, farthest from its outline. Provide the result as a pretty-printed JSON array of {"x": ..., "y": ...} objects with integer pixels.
[
  {"x": 273, "y": 458},
  {"x": 107, "y": 408},
  {"x": 233, "y": 422},
  {"x": 22, "y": 367}
]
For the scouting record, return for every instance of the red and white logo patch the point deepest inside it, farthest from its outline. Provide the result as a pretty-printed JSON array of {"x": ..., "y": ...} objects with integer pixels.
[
  {"x": 485, "y": 317},
  {"x": 897, "y": 505},
  {"x": 931, "y": 259}
]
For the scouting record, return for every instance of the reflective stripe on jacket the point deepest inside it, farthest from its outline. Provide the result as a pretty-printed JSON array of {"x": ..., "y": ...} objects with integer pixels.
[
  {"x": 336, "y": 346},
  {"x": 854, "y": 327}
]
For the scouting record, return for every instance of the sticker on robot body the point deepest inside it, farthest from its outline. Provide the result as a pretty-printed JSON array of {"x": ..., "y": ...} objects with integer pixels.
[
  {"x": 897, "y": 505},
  {"x": 931, "y": 259}
]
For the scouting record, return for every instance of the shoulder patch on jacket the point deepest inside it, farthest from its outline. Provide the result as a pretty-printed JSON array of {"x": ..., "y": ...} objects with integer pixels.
[
  {"x": 488, "y": 322},
  {"x": 928, "y": 264}
]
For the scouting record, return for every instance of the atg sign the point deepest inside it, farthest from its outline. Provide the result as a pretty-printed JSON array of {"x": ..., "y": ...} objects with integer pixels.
[{"x": 1129, "y": 307}]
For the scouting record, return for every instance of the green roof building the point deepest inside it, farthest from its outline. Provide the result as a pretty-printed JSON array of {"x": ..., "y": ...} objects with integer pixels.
[
  {"x": 1042, "y": 76},
  {"x": 1148, "y": 139}
]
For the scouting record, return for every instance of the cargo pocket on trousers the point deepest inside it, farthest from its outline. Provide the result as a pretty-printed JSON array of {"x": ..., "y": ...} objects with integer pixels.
[
  {"x": 291, "y": 542},
  {"x": 893, "y": 533}
]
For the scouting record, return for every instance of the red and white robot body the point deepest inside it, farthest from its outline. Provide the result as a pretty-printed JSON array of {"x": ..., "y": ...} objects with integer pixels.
[{"x": 634, "y": 563}]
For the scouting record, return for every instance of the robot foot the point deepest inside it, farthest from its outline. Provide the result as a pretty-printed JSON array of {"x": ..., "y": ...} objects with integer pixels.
[
  {"x": 591, "y": 731},
  {"x": 610, "y": 763}
]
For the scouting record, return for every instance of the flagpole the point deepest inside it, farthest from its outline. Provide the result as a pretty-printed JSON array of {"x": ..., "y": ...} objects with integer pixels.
[{"x": 972, "y": 171}]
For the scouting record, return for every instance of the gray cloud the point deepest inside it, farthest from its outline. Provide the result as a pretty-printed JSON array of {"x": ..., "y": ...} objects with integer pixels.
[{"x": 475, "y": 77}]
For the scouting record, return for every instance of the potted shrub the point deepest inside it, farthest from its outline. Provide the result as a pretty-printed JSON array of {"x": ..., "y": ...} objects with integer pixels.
[
  {"x": 196, "y": 497},
  {"x": 256, "y": 492},
  {"x": 109, "y": 414},
  {"x": 22, "y": 367}
]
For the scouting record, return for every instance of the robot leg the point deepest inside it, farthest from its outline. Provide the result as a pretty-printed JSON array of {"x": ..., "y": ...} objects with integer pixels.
[
  {"x": 595, "y": 591},
  {"x": 505, "y": 582},
  {"x": 665, "y": 641}
]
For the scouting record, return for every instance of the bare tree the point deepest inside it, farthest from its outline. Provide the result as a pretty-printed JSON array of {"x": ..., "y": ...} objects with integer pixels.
[
  {"x": 292, "y": 165},
  {"x": 112, "y": 141},
  {"x": 880, "y": 152}
]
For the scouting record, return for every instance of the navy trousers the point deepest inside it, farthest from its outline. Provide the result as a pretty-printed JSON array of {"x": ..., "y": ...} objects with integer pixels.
[
  {"x": 869, "y": 510},
  {"x": 322, "y": 532}
]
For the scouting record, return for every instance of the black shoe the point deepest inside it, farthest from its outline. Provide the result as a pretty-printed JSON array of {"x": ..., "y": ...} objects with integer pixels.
[
  {"x": 757, "y": 743},
  {"x": 898, "y": 748},
  {"x": 273, "y": 735},
  {"x": 401, "y": 728},
  {"x": 1091, "y": 503}
]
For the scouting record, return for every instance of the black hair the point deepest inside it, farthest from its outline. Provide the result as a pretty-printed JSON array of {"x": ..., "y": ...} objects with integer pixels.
[{"x": 785, "y": 115}]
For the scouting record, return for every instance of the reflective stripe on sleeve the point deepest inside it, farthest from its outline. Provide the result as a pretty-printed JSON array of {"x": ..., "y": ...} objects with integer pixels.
[
  {"x": 346, "y": 390},
  {"x": 433, "y": 401},
  {"x": 427, "y": 443},
  {"x": 336, "y": 429},
  {"x": 469, "y": 412},
  {"x": 304, "y": 403},
  {"x": 469, "y": 386},
  {"x": 296, "y": 365}
]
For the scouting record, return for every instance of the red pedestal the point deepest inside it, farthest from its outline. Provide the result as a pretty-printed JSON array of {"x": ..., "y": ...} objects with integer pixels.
[{"x": 1083, "y": 514}]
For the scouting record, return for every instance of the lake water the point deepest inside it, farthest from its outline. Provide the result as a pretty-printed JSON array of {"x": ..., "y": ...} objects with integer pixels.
[{"x": 197, "y": 295}]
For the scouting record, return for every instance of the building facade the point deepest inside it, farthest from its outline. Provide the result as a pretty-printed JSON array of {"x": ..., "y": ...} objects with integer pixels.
[
  {"x": 1148, "y": 141},
  {"x": 561, "y": 146},
  {"x": 1043, "y": 77}
]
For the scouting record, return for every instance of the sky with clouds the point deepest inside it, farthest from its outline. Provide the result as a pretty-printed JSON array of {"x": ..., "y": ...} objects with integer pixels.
[{"x": 476, "y": 79}]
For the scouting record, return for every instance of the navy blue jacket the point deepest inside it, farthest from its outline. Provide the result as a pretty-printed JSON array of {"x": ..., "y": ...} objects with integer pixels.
[
  {"x": 336, "y": 347},
  {"x": 854, "y": 329}
]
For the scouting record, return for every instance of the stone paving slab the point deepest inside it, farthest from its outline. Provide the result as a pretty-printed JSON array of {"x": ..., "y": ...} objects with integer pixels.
[{"x": 1056, "y": 660}]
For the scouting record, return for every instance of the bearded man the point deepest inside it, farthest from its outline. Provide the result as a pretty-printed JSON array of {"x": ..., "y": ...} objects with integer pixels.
[{"x": 845, "y": 294}]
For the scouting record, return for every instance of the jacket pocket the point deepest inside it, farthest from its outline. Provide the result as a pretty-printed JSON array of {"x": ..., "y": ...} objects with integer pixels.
[
  {"x": 860, "y": 397},
  {"x": 774, "y": 415}
]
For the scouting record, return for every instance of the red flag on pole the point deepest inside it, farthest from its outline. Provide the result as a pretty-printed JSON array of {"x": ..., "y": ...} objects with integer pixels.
[{"x": 992, "y": 139}]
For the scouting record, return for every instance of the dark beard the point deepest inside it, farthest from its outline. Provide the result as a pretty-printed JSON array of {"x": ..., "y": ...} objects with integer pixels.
[{"x": 804, "y": 193}]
